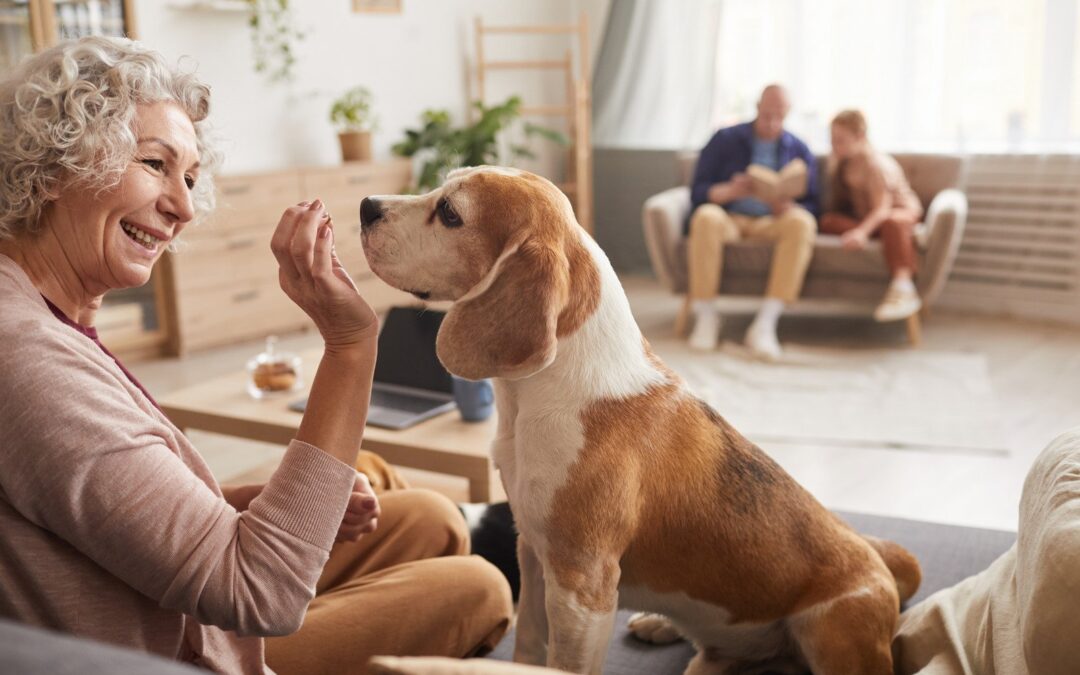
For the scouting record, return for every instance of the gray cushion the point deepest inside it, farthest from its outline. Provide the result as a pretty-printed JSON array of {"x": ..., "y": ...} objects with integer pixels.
[
  {"x": 947, "y": 554},
  {"x": 29, "y": 651}
]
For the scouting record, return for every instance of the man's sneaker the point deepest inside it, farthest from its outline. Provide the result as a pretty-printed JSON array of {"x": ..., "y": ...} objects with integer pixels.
[
  {"x": 763, "y": 343},
  {"x": 899, "y": 303},
  {"x": 706, "y": 331}
]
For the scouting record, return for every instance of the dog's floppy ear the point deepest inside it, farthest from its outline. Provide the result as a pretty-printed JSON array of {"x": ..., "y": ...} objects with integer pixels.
[{"x": 505, "y": 326}]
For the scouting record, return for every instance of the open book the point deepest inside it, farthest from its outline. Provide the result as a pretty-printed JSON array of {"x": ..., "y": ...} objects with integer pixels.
[{"x": 770, "y": 186}]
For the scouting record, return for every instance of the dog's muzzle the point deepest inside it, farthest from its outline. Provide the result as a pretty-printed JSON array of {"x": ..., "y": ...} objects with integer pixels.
[{"x": 371, "y": 212}]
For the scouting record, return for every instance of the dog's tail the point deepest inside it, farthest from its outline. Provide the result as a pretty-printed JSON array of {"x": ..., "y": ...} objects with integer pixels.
[{"x": 904, "y": 567}]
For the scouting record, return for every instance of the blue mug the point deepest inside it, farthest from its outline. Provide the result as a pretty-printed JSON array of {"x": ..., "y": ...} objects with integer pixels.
[{"x": 475, "y": 398}]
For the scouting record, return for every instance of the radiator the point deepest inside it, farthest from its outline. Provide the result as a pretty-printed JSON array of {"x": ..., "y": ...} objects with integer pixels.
[{"x": 1020, "y": 254}]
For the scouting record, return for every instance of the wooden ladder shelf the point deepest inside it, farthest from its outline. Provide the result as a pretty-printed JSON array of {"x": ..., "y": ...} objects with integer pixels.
[{"x": 576, "y": 109}]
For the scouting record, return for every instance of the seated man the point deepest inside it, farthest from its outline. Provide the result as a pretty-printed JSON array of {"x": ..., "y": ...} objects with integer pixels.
[{"x": 724, "y": 211}]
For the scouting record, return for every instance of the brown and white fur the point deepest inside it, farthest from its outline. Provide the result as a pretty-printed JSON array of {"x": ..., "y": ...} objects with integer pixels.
[{"x": 626, "y": 489}]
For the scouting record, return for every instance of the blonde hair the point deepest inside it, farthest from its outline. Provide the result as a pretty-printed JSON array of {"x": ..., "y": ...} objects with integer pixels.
[
  {"x": 67, "y": 117},
  {"x": 852, "y": 120}
]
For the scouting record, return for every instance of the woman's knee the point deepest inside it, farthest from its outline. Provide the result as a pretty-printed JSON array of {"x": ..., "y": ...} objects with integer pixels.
[
  {"x": 483, "y": 592},
  {"x": 895, "y": 228},
  {"x": 431, "y": 516}
]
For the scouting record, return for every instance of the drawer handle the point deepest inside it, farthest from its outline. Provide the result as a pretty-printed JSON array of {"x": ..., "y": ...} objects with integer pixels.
[
  {"x": 357, "y": 180},
  {"x": 245, "y": 296},
  {"x": 236, "y": 189},
  {"x": 238, "y": 244}
]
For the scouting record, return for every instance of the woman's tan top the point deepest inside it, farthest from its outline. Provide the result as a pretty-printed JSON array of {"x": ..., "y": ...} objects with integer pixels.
[
  {"x": 864, "y": 176},
  {"x": 111, "y": 524}
]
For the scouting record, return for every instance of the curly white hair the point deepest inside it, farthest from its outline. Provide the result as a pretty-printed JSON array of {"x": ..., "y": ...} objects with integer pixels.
[{"x": 66, "y": 122}]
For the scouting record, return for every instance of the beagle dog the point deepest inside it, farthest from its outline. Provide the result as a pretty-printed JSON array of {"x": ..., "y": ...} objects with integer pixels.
[{"x": 627, "y": 489}]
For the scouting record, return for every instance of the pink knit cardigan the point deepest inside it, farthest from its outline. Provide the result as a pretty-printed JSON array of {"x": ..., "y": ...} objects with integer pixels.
[{"x": 111, "y": 524}]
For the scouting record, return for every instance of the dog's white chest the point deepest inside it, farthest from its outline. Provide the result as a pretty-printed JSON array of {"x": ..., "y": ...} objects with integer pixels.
[{"x": 536, "y": 462}]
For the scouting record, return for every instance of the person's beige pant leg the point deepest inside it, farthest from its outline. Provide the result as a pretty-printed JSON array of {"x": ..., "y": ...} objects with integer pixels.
[
  {"x": 710, "y": 228},
  {"x": 1020, "y": 616},
  {"x": 408, "y": 589},
  {"x": 793, "y": 233}
]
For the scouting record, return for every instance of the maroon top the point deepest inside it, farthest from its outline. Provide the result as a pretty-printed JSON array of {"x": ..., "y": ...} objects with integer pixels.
[{"x": 91, "y": 332}]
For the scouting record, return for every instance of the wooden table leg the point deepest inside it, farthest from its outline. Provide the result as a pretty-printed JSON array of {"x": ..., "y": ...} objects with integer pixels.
[
  {"x": 683, "y": 318},
  {"x": 914, "y": 330},
  {"x": 480, "y": 488}
]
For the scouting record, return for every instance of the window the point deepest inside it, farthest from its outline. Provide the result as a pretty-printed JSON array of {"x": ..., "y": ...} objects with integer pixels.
[{"x": 931, "y": 75}]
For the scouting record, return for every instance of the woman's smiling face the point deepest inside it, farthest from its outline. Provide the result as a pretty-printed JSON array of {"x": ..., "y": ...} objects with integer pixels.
[{"x": 112, "y": 238}]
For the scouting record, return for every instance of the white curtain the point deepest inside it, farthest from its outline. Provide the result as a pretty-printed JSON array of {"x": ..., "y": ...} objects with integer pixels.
[
  {"x": 655, "y": 74},
  {"x": 931, "y": 75}
]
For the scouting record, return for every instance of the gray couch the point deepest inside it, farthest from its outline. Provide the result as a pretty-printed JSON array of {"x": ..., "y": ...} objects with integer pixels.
[
  {"x": 32, "y": 651},
  {"x": 946, "y": 553},
  {"x": 858, "y": 279}
]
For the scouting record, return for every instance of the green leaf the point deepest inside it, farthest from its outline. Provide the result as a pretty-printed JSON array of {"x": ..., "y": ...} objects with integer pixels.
[{"x": 469, "y": 145}]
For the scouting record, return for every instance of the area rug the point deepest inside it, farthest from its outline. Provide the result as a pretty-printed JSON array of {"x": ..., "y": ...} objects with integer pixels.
[{"x": 893, "y": 398}]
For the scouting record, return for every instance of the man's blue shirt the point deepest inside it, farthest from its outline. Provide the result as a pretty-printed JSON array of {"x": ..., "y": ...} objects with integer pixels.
[
  {"x": 765, "y": 153},
  {"x": 731, "y": 150}
]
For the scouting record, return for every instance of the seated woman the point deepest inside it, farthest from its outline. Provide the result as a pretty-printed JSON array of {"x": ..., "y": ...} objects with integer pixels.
[
  {"x": 111, "y": 525},
  {"x": 870, "y": 197}
]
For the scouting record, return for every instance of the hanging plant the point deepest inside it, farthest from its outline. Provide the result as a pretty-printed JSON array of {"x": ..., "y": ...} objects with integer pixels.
[{"x": 273, "y": 38}]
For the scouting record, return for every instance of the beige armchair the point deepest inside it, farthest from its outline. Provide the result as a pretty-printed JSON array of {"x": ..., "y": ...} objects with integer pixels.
[{"x": 859, "y": 277}]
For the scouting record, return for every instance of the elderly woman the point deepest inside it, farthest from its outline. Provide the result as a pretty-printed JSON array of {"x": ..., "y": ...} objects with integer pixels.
[
  {"x": 870, "y": 197},
  {"x": 111, "y": 525}
]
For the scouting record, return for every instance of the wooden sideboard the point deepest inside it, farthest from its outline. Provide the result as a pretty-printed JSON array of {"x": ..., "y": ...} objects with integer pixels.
[{"x": 221, "y": 286}]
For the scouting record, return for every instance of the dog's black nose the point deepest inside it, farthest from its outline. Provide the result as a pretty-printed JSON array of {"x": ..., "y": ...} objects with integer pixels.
[{"x": 370, "y": 212}]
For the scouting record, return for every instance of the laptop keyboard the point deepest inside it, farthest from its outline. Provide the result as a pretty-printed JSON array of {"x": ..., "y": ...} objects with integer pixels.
[{"x": 403, "y": 402}]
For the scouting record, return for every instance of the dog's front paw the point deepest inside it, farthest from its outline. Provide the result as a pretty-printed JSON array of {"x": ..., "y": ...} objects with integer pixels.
[{"x": 654, "y": 628}]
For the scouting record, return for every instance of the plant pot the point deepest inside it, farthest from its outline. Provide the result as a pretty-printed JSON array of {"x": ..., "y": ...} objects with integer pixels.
[{"x": 355, "y": 146}]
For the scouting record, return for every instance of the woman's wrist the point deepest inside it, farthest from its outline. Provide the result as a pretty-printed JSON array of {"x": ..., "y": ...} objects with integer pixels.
[{"x": 360, "y": 345}]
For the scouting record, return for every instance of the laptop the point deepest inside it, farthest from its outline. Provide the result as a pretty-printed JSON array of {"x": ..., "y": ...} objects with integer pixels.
[{"x": 410, "y": 384}]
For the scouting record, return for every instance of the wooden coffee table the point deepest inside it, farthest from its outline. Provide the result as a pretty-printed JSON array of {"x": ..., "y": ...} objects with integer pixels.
[{"x": 443, "y": 444}]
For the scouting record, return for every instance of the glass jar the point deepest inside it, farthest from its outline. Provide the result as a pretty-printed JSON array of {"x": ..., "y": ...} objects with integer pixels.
[{"x": 272, "y": 372}]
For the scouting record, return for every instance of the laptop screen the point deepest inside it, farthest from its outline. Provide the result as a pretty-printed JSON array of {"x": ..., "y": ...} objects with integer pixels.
[{"x": 407, "y": 350}]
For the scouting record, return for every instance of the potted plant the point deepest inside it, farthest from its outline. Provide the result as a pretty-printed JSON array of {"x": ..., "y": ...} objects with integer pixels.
[
  {"x": 438, "y": 147},
  {"x": 352, "y": 115}
]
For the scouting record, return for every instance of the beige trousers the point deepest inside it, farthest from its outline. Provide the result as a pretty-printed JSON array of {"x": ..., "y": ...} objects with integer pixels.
[
  {"x": 408, "y": 589},
  {"x": 1020, "y": 616},
  {"x": 711, "y": 227}
]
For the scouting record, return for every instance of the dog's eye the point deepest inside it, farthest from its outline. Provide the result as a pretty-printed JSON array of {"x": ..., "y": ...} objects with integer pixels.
[{"x": 448, "y": 215}]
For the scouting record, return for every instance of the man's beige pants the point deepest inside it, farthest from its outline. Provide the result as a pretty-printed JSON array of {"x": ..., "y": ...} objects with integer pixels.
[
  {"x": 408, "y": 589},
  {"x": 711, "y": 227}
]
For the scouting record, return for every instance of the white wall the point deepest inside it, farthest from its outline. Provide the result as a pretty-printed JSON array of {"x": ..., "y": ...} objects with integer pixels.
[{"x": 411, "y": 61}]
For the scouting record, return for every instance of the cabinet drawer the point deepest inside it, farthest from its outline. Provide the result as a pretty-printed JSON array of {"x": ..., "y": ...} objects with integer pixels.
[
  {"x": 343, "y": 188},
  {"x": 256, "y": 189},
  {"x": 242, "y": 311},
  {"x": 235, "y": 255},
  {"x": 356, "y": 178},
  {"x": 249, "y": 201}
]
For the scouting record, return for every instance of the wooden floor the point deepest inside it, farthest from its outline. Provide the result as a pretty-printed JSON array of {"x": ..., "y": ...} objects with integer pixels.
[{"x": 1034, "y": 370}]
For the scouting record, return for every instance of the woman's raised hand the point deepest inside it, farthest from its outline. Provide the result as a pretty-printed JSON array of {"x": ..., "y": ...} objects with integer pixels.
[{"x": 313, "y": 277}]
